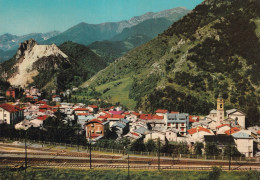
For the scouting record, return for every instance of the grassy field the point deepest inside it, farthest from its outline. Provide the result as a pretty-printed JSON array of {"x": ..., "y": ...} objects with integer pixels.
[
  {"x": 118, "y": 92},
  {"x": 118, "y": 174}
]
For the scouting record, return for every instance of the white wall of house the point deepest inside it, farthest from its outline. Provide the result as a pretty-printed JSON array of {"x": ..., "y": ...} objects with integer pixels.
[
  {"x": 241, "y": 118},
  {"x": 222, "y": 129},
  {"x": 245, "y": 146},
  {"x": 199, "y": 136},
  {"x": 171, "y": 136},
  {"x": 5, "y": 116},
  {"x": 154, "y": 136}
]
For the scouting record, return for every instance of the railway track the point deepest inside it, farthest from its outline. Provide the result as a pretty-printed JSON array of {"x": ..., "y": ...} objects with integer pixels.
[{"x": 58, "y": 158}]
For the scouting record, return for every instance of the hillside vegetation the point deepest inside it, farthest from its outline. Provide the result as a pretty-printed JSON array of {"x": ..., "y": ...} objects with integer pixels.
[{"x": 213, "y": 50}]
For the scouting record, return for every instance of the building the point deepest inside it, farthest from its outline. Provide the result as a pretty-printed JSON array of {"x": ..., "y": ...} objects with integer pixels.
[
  {"x": 220, "y": 110},
  {"x": 154, "y": 122},
  {"x": 244, "y": 143},
  {"x": 179, "y": 122},
  {"x": 96, "y": 129},
  {"x": 238, "y": 116},
  {"x": 197, "y": 134},
  {"x": 10, "y": 114},
  {"x": 12, "y": 92}
]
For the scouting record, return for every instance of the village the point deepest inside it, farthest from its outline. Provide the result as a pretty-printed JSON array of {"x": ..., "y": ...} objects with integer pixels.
[{"x": 220, "y": 126}]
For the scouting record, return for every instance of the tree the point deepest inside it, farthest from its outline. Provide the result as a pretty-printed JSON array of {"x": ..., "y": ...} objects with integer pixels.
[
  {"x": 233, "y": 150},
  {"x": 211, "y": 149},
  {"x": 138, "y": 145},
  {"x": 215, "y": 173},
  {"x": 197, "y": 148},
  {"x": 150, "y": 145}
]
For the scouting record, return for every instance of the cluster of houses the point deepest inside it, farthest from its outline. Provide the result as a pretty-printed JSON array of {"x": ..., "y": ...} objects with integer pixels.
[{"x": 98, "y": 123}]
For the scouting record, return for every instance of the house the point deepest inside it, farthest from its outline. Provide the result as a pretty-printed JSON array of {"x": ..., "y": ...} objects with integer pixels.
[
  {"x": 38, "y": 122},
  {"x": 171, "y": 134},
  {"x": 154, "y": 122},
  {"x": 23, "y": 125},
  {"x": 238, "y": 116},
  {"x": 10, "y": 114},
  {"x": 133, "y": 136},
  {"x": 244, "y": 143},
  {"x": 12, "y": 92},
  {"x": 121, "y": 127},
  {"x": 93, "y": 108},
  {"x": 155, "y": 135},
  {"x": 96, "y": 129},
  {"x": 83, "y": 119},
  {"x": 232, "y": 130},
  {"x": 179, "y": 122},
  {"x": 114, "y": 118},
  {"x": 161, "y": 112},
  {"x": 222, "y": 128},
  {"x": 2, "y": 99},
  {"x": 197, "y": 134},
  {"x": 81, "y": 111},
  {"x": 56, "y": 98}
]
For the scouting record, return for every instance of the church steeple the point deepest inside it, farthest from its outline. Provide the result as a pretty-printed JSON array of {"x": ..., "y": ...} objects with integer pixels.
[{"x": 220, "y": 110}]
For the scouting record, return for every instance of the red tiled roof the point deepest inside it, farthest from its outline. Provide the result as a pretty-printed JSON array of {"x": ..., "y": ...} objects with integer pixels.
[
  {"x": 174, "y": 112},
  {"x": 42, "y": 110},
  {"x": 146, "y": 116},
  {"x": 83, "y": 114},
  {"x": 94, "y": 121},
  {"x": 118, "y": 116},
  {"x": 41, "y": 102},
  {"x": 93, "y": 106},
  {"x": 30, "y": 97},
  {"x": 10, "y": 108},
  {"x": 193, "y": 119},
  {"x": 194, "y": 130},
  {"x": 43, "y": 118},
  {"x": 135, "y": 134},
  {"x": 81, "y": 109},
  {"x": 94, "y": 135},
  {"x": 150, "y": 117},
  {"x": 161, "y": 111},
  {"x": 222, "y": 125},
  {"x": 232, "y": 130},
  {"x": 136, "y": 114},
  {"x": 126, "y": 113},
  {"x": 158, "y": 117},
  {"x": 45, "y": 107},
  {"x": 258, "y": 132}
]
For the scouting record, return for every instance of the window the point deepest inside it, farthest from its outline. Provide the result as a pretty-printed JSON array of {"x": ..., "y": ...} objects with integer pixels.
[
  {"x": 4, "y": 115},
  {"x": 220, "y": 113},
  {"x": 169, "y": 133},
  {"x": 182, "y": 124}
]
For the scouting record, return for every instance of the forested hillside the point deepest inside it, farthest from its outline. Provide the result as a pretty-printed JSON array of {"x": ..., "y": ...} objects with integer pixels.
[{"x": 213, "y": 50}]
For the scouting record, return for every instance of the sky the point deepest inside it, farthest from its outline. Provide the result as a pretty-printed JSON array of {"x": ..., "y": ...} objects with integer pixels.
[{"x": 20, "y": 17}]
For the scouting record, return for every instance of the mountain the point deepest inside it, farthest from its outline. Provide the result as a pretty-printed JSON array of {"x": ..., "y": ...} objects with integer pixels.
[
  {"x": 11, "y": 42},
  {"x": 5, "y": 55},
  {"x": 86, "y": 34},
  {"x": 135, "y": 36},
  {"x": 47, "y": 66},
  {"x": 213, "y": 50}
]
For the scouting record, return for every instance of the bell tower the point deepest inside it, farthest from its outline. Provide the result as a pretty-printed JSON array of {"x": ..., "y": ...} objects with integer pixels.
[{"x": 220, "y": 110}]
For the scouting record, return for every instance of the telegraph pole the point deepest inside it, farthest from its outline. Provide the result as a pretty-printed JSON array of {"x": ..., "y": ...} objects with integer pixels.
[
  {"x": 90, "y": 166},
  {"x": 229, "y": 162},
  {"x": 128, "y": 168},
  {"x": 159, "y": 154},
  {"x": 25, "y": 151}
]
